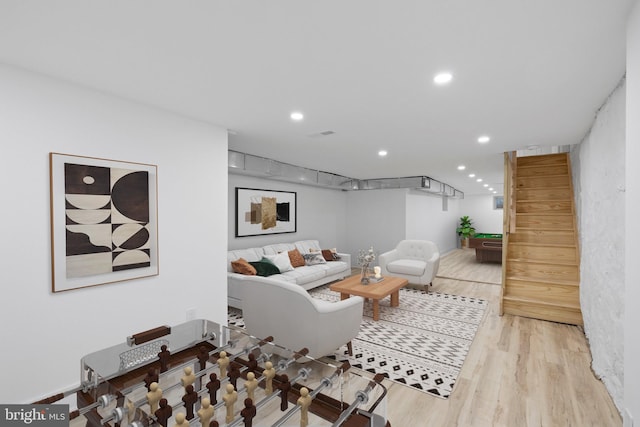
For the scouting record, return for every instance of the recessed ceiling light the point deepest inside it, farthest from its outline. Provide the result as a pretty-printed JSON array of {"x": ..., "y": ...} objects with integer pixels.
[
  {"x": 471, "y": 175},
  {"x": 491, "y": 189},
  {"x": 382, "y": 153},
  {"x": 442, "y": 78},
  {"x": 494, "y": 192},
  {"x": 297, "y": 116},
  {"x": 485, "y": 185},
  {"x": 479, "y": 180},
  {"x": 484, "y": 139},
  {"x": 461, "y": 167}
]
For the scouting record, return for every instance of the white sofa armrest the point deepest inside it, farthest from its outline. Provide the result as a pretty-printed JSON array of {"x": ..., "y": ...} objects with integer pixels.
[{"x": 345, "y": 258}]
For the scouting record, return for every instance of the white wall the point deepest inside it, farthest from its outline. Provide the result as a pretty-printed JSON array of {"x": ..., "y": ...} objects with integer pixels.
[
  {"x": 600, "y": 194},
  {"x": 632, "y": 225},
  {"x": 480, "y": 210},
  {"x": 427, "y": 221},
  {"x": 375, "y": 218},
  {"x": 44, "y": 335},
  {"x": 321, "y": 214}
]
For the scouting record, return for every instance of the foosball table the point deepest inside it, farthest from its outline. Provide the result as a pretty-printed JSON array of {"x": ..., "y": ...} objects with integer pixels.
[{"x": 204, "y": 374}]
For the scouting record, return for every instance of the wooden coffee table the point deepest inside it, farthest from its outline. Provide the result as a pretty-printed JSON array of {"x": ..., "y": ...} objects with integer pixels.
[{"x": 376, "y": 291}]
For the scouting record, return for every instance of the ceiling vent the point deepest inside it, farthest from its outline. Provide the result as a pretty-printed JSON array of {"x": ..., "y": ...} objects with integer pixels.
[{"x": 321, "y": 134}]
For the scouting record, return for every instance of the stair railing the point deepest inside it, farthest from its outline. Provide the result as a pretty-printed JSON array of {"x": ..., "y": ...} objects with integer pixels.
[{"x": 508, "y": 213}]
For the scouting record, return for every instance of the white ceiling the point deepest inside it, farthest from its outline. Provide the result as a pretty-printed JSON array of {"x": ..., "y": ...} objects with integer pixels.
[{"x": 525, "y": 72}]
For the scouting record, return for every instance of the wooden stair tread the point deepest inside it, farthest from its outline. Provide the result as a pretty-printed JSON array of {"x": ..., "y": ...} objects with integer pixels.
[
  {"x": 534, "y": 229},
  {"x": 542, "y": 176},
  {"x": 542, "y": 201},
  {"x": 531, "y": 301},
  {"x": 546, "y": 281},
  {"x": 544, "y": 214},
  {"x": 543, "y": 245},
  {"x": 546, "y": 262}
]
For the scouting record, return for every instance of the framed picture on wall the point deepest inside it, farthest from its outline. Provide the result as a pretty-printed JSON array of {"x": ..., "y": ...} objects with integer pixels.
[
  {"x": 104, "y": 221},
  {"x": 261, "y": 212},
  {"x": 498, "y": 202}
]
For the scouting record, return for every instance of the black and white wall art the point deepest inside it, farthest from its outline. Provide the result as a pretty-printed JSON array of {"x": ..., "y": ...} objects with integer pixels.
[{"x": 103, "y": 221}]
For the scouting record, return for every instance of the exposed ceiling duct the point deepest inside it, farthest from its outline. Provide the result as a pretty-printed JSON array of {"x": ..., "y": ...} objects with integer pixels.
[{"x": 248, "y": 164}]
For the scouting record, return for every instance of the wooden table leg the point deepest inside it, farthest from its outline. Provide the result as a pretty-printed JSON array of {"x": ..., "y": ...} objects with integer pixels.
[
  {"x": 395, "y": 298},
  {"x": 344, "y": 296},
  {"x": 376, "y": 309}
]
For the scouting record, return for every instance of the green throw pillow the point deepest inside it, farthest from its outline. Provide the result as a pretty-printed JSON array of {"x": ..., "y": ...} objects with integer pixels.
[{"x": 265, "y": 268}]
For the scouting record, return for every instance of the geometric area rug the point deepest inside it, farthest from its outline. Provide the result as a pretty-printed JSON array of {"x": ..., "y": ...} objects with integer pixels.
[{"x": 422, "y": 343}]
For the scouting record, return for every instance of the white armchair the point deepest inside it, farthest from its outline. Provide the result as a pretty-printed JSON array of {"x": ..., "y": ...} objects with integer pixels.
[
  {"x": 414, "y": 260},
  {"x": 295, "y": 320}
]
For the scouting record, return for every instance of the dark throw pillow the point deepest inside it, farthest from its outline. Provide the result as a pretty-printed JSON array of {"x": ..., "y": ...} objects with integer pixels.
[
  {"x": 265, "y": 268},
  {"x": 327, "y": 255}
]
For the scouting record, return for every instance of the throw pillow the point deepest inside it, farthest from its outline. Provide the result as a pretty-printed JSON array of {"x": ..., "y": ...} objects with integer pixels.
[
  {"x": 327, "y": 255},
  {"x": 241, "y": 266},
  {"x": 314, "y": 258},
  {"x": 296, "y": 258},
  {"x": 281, "y": 261},
  {"x": 265, "y": 268}
]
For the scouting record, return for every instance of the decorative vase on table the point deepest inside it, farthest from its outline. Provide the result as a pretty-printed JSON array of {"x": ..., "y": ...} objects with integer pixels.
[{"x": 365, "y": 258}]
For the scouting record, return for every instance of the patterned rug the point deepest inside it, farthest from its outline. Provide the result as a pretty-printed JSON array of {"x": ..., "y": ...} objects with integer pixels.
[{"x": 422, "y": 343}]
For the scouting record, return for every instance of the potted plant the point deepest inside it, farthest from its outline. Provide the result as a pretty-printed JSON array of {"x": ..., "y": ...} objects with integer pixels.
[{"x": 465, "y": 230}]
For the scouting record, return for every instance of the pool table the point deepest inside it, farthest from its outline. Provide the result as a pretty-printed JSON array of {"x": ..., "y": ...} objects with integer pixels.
[{"x": 488, "y": 247}]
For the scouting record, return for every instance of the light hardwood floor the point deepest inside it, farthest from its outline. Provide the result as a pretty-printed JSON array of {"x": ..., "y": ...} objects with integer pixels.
[{"x": 519, "y": 372}]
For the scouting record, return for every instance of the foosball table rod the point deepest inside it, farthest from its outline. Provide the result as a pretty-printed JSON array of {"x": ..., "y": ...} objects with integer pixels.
[
  {"x": 84, "y": 386},
  {"x": 362, "y": 397},
  {"x": 324, "y": 383}
]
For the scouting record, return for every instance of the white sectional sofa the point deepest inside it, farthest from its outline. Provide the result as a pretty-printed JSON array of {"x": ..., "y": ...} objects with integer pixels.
[{"x": 307, "y": 276}]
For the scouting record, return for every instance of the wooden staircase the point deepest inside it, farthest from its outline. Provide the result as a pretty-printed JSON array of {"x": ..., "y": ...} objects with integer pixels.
[{"x": 541, "y": 261}]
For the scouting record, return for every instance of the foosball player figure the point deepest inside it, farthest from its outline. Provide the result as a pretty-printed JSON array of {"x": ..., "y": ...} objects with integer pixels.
[
  {"x": 153, "y": 396},
  {"x": 152, "y": 377},
  {"x": 164, "y": 412},
  {"x": 203, "y": 357},
  {"x": 206, "y": 412},
  {"x": 252, "y": 363},
  {"x": 189, "y": 377},
  {"x": 131, "y": 410},
  {"x": 223, "y": 363},
  {"x": 269, "y": 372},
  {"x": 248, "y": 412},
  {"x": 164, "y": 356},
  {"x": 230, "y": 398},
  {"x": 189, "y": 399},
  {"x": 214, "y": 423},
  {"x": 213, "y": 386},
  {"x": 304, "y": 401},
  {"x": 251, "y": 384},
  {"x": 181, "y": 420},
  {"x": 284, "y": 388},
  {"x": 234, "y": 374}
]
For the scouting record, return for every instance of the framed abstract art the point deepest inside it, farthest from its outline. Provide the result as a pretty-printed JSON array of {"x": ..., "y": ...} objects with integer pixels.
[
  {"x": 104, "y": 221},
  {"x": 260, "y": 212}
]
